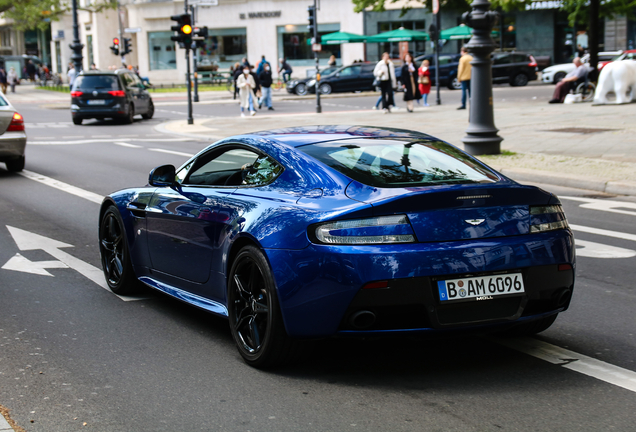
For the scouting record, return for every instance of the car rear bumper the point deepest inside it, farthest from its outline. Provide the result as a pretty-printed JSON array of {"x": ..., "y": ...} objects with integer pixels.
[
  {"x": 12, "y": 145},
  {"x": 118, "y": 110},
  {"x": 320, "y": 287}
]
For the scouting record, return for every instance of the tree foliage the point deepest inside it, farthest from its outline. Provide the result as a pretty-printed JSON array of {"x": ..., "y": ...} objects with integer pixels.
[{"x": 30, "y": 14}]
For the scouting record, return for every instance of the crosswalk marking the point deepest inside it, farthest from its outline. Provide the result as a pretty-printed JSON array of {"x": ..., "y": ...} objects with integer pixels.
[
  {"x": 603, "y": 232},
  {"x": 620, "y": 207},
  {"x": 597, "y": 250}
]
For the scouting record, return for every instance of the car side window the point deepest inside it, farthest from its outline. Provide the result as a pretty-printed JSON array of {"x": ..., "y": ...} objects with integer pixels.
[
  {"x": 504, "y": 59},
  {"x": 128, "y": 81},
  {"x": 350, "y": 71},
  {"x": 221, "y": 167},
  {"x": 443, "y": 60},
  {"x": 263, "y": 171}
]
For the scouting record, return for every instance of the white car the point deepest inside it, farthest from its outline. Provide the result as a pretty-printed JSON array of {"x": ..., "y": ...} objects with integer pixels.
[
  {"x": 554, "y": 74},
  {"x": 13, "y": 138}
]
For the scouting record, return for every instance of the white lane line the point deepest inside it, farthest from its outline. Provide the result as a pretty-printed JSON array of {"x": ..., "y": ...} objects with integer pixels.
[
  {"x": 65, "y": 187},
  {"x": 580, "y": 363},
  {"x": 606, "y": 233},
  {"x": 94, "y": 141},
  {"x": 611, "y": 206},
  {"x": 125, "y": 144},
  {"x": 178, "y": 153},
  {"x": 598, "y": 250}
]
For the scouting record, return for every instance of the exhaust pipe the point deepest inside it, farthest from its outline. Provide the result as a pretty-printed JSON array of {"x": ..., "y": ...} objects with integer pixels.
[
  {"x": 362, "y": 319},
  {"x": 563, "y": 297}
]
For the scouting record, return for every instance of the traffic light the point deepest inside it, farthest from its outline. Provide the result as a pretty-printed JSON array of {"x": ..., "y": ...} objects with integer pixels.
[
  {"x": 183, "y": 29},
  {"x": 127, "y": 48},
  {"x": 200, "y": 35},
  {"x": 311, "y": 28},
  {"x": 115, "y": 46}
]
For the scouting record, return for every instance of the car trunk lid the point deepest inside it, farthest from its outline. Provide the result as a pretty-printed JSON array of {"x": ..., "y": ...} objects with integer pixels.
[{"x": 6, "y": 115}]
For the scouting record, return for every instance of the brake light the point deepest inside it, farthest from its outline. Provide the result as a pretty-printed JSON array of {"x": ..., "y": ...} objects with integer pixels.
[
  {"x": 76, "y": 93},
  {"x": 117, "y": 93},
  {"x": 17, "y": 123},
  {"x": 533, "y": 62}
]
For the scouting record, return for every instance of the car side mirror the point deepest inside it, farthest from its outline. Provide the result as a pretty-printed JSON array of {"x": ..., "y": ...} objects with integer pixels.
[
  {"x": 337, "y": 74},
  {"x": 162, "y": 176}
]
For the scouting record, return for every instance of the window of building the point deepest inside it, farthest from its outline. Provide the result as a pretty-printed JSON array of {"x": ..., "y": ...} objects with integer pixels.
[
  {"x": 58, "y": 57},
  {"x": 162, "y": 51},
  {"x": 393, "y": 48},
  {"x": 222, "y": 49},
  {"x": 89, "y": 47},
  {"x": 293, "y": 44}
]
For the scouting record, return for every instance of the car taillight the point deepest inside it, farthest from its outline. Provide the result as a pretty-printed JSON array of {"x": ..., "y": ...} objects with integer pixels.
[
  {"x": 117, "y": 93},
  {"x": 547, "y": 218},
  {"x": 533, "y": 62},
  {"x": 17, "y": 123},
  {"x": 76, "y": 93}
]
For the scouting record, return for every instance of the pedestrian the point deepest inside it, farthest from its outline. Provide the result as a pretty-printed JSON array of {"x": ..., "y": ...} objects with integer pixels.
[
  {"x": 31, "y": 70},
  {"x": 409, "y": 80},
  {"x": 261, "y": 65},
  {"x": 286, "y": 68},
  {"x": 71, "y": 74},
  {"x": 463, "y": 75},
  {"x": 244, "y": 62},
  {"x": 265, "y": 77},
  {"x": 238, "y": 70},
  {"x": 257, "y": 88},
  {"x": 3, "y": 80},
  {"x": 93, "y": 66},
  {"x": 566, "y": 84},
  {"x": 245, "y": 83},
  {"x": 12, "y": 78},
  {"x": 424, "y": 81},
  {"x": 385, "y": 72},
  {"x": 332, "y": 61}
]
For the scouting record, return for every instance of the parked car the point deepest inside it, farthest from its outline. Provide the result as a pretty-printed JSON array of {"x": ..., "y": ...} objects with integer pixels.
[
  {"x": 116, "y": 94},
  {"x": 352, "y": 78},
  {"x": 299, "y": 86},
  {"x": 627, "y": 55},
  {"x": 555, "y": 73},
  {"x": 515, "y": 68},
  {"x": 13, "y": 137},
  {"x": 320, "y": 231}
]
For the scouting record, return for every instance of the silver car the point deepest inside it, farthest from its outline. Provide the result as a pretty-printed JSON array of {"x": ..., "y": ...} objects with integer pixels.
[{"x": 12, "y": 136}]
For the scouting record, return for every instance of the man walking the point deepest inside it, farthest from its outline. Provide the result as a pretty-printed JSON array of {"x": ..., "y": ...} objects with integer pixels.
[
  {"x": 385, "y": 72},
  {"x": 261, "y": 65},
  {"x": 265, "y": 77},
  {"x": 463, "y": 75}
]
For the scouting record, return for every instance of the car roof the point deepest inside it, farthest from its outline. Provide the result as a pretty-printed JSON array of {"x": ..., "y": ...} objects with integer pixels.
[
  {"x": 305, "y": 135},
  {"x": 103, "y": 72}
]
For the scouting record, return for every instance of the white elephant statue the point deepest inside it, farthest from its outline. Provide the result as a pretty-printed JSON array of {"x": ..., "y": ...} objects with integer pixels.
[{"x": 619, "y": 78}]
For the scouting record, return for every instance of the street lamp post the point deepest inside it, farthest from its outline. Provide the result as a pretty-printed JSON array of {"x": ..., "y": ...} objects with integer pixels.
[
  {"x": 76, "y": 46},
  {"x": 481, "y": 135}
]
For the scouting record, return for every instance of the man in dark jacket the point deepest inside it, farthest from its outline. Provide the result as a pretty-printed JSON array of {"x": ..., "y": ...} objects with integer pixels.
[{"x": 265, "y": 78}]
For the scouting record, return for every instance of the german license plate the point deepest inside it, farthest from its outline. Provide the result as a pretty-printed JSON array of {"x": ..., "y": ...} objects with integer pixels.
[
  {"x": 480, "y": 288},
  {"x": 96, "y": 102}
]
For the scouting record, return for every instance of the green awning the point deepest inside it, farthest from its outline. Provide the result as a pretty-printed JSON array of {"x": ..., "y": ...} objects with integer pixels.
[
  {"x": 399, "y": 35},
  {"x": 341, "y": 37},
  {"x": 462, "y": 31}
]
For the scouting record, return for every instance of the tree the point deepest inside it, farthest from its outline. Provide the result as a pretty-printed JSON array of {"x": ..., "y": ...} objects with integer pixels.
[{"x": 30, "y": 14}]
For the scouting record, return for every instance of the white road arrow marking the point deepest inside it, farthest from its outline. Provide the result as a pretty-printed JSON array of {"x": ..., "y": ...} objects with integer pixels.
[
  {"x": 598, "y": 250},
  {"x": 611, "y": 206},
  {"x": 29, "y": 241},
  {"x": 22, "y": 264}
]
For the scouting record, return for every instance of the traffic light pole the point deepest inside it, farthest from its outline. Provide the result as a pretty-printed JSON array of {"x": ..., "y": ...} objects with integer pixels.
[
  {"x": 194, "y": 59},
  {"x": 439, "y": 29},
  {"x": 121, "y": 36},
  {"x": 189, "y": 82},
  {"x": 316, "y": 57},
  {"x": 76, "y": 46}
]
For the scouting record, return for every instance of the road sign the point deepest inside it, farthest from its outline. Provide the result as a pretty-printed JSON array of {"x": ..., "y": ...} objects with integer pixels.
[
  {"x": 316, "y": 47},
  {"x": 132, "y": 30}
]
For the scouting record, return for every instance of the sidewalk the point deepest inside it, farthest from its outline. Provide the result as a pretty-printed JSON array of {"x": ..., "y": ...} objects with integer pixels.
[{"x": 579, "y": 145}]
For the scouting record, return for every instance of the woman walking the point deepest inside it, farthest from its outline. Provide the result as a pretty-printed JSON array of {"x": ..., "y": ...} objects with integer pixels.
[
  {"x": 12, "y": 78},
  {"x": 409, "y": 79},
  {"x": 424, "y": 81},
  {"x": 245, "y": 83}
]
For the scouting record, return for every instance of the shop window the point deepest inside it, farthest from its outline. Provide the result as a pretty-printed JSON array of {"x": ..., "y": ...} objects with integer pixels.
[
  {"x": 162, "y": 52},
  {"x": 294, "y": 44},
  {"x": 222, "y": 49},
  {"x": 393, "y": 48}
]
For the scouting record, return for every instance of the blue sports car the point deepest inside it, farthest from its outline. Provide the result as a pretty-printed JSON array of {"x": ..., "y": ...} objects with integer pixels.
[{"x": 321, "y": 231}]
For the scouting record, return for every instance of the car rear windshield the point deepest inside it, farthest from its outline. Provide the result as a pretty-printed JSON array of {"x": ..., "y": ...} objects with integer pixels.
[
  {"x": 398, "y": 163},
  {"x": 96, "y": 82}
]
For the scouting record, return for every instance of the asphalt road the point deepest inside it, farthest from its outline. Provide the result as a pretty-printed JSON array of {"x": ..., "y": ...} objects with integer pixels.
[{"x": 73, "y": 356}]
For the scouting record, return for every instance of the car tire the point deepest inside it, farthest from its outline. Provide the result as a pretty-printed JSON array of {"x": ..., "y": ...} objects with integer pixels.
[
  {"x": 77, "y": 121},
  {"x": 454, "y": 84},
  {"x": 255, "y": 319},
  {"x": 150, "y": 112},
  {"x": 325, "y": 89},
  {"x": 113, "y": 247},
  {"x": 130, "y": 117},
  {"x": 301, "y": 89},
  {"x": 15, "y": 165},
  {"x": 530, "y": 328},
  {"x": 558, "y": 77},
  {"x": 519, "y": 80}
]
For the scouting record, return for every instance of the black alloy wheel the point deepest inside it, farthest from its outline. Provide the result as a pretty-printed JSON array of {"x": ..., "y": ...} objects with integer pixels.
[
  {"x": 77, "y": 121},
  {"x": 113, "y": 248},
  {"x": 301, "y": 89},
  {"x": 325, "y": 89},
  {"x": 150, "y": 112},
  {"x": 455, "y": 84},
  {"x": 15, "y": 165},
  {"x": 256, "y": 322},
  {"x": 519, "y": 80}
]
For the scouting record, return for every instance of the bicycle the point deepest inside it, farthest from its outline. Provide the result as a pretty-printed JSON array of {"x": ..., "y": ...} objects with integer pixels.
[{"x": 277, "y": 84}]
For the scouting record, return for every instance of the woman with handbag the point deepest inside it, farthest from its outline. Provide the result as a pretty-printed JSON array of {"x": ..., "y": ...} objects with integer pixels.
[
  {"x": 424, "y": 81},
  {"x": 409, "y": 79}
]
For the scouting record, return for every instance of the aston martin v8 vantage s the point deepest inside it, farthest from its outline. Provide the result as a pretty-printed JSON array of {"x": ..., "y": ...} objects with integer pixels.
[{"x": 322, "y": 231}]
